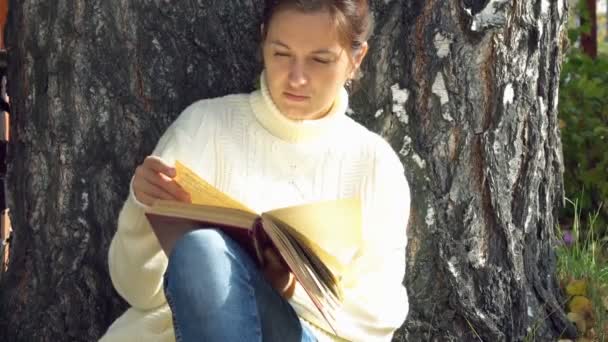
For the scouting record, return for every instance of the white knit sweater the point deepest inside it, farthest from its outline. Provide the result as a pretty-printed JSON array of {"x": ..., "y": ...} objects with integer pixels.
[{"x": 244, "y": 146}]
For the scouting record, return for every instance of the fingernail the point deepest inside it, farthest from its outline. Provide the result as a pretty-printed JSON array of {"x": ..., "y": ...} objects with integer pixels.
[{"x": 171, "y": 172}]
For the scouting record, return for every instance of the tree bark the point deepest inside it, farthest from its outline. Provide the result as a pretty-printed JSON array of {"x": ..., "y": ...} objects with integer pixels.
[
  {"x": 465, "y": 91},
  {"x": 480, "y": 141}
]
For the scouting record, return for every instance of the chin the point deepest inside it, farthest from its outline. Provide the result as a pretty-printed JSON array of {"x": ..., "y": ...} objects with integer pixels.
[
  {"x": 300, "y": 111},
  {"x": 295, "y": 115}
]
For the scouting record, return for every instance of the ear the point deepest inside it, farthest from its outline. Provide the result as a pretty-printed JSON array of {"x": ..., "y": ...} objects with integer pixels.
[{"x": 358, "y": 58}]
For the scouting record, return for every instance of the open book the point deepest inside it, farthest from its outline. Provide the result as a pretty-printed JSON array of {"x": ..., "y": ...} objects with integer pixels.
[{"x": 317, "y": 241}]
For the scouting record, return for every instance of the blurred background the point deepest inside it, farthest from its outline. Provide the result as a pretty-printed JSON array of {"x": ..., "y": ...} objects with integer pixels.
[{"x": 583, "y": 111}]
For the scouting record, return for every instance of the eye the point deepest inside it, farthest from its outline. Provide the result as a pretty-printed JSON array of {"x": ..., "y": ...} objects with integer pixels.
[
  {"x": 321, "y": 60},
  {"x": 281, "y": 54}
]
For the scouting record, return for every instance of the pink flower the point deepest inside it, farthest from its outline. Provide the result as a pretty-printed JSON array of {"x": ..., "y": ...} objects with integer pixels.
[{"x": 568, "y": 238}]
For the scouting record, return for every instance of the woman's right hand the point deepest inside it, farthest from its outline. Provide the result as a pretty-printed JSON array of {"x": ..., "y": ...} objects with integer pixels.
[
  {"x": 154, "y": 179},
  {"x": 277, "y": 274}
]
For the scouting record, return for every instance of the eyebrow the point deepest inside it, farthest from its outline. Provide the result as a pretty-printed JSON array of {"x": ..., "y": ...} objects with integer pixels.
[{"x": 321, "y": 51}]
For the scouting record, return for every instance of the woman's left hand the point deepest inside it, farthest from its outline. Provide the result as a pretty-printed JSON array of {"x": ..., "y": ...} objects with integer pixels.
[{"x": 277, "y": 274}]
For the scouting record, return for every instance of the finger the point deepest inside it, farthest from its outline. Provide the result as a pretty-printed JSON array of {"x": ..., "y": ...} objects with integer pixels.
[
  {"x": 172, "y": 187},
  {"x": 158, "y": 193},
  {"x": 142, "y": 187},
  {"x": 273, "y": 260},
  {"x": 151, "y": 182},
  {"x": 165, "y": 183},
  {"x": 157, "y": 164}
]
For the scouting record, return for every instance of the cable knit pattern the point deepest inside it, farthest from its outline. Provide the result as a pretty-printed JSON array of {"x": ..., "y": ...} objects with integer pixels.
[{"x": 244, "y": 146}]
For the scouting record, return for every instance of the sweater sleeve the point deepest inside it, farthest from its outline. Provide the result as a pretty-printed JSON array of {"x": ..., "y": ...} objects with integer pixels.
[
  {"x": 136, "y": 261},
  {"x": 376, "y": 302}
]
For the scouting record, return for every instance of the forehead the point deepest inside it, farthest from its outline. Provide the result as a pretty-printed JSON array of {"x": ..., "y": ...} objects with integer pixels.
[{"x": 300, "y": 30}]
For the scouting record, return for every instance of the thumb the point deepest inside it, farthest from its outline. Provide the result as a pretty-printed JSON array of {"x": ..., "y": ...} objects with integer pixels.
[{"x": 272, "y": 259}]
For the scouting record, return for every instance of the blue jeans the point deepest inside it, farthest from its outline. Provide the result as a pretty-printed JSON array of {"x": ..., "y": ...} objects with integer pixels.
[{"x": 217, "y": 293}]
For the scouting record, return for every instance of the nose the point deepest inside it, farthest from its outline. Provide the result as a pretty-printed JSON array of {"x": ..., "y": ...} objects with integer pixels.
[{"x": 297, "y": 75}]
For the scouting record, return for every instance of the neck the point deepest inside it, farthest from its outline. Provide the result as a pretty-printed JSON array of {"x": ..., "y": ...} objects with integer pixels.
[{"x": 297, "y": 130}]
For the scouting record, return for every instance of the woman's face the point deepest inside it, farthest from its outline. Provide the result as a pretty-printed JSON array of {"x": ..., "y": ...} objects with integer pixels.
[{"x": 306, "y": 66}]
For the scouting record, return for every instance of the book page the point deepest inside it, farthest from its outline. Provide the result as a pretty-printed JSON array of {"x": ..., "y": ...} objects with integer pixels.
[
  {"x": 201, "y": 192},
  {"x": 323, "y": 292},
  {"x": 330, "y": 227}
]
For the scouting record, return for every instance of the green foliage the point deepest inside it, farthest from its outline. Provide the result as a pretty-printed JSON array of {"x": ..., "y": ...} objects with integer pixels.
[{"x": 583, "y": 113}]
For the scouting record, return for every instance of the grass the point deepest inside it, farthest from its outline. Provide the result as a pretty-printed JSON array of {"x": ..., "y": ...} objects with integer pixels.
[{"x": 586, "y": 259}]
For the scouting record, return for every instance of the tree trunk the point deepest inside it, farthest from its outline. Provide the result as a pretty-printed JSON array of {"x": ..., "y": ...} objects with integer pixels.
[
  {"x": 480, "y": 140},
  {"x": 465, "y": 90},
  {"x": 589, "y": 39}
]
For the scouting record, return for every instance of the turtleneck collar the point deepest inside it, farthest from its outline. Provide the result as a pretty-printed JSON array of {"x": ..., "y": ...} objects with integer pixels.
[{"x": 279, "y": 125}]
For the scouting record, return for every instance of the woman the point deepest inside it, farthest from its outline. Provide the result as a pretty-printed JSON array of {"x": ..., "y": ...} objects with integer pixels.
[{"x": 288, "y": 143}]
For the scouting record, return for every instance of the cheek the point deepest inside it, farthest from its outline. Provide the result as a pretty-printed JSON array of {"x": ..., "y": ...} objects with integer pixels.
[
  {"x": 274, "y": 70},
  {"x": 322, "y": 76},
  {"x": 335, "y": 73},
  {"x": 331, "y": 79},
  {"x": 274, "y": 78}
]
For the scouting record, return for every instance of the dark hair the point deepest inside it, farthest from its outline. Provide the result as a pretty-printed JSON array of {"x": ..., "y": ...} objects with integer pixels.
[{"x": 353, "y": 18}]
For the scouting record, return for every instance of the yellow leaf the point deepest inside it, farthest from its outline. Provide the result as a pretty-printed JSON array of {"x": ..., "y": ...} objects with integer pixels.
[
  {"x": 577, "y": 288},
  {"x": 581, "y": 305}
]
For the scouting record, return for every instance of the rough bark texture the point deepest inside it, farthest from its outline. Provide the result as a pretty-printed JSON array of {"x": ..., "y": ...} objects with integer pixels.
[
  {"x": 481, "y": 144},
  {"x": 465, "y": 90}
]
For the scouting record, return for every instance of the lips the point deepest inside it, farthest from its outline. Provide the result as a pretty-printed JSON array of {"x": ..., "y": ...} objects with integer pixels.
[{"x": 295, "y": 97}]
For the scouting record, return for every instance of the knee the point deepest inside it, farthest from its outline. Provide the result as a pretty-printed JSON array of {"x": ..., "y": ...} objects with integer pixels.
[
  {"x": 198, "y": 246},
  {"x": 199, "y": 269}
]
